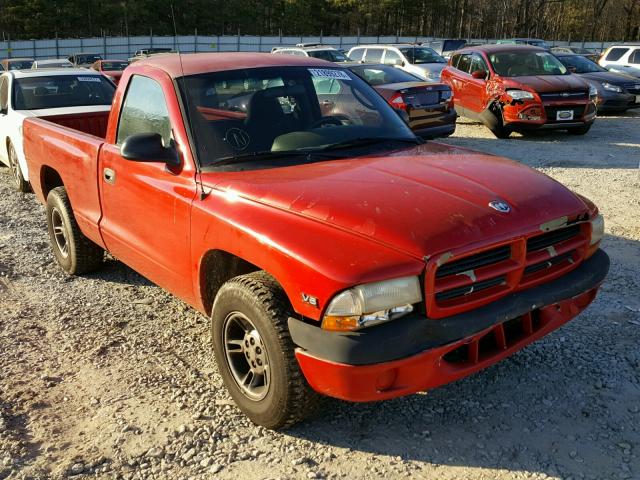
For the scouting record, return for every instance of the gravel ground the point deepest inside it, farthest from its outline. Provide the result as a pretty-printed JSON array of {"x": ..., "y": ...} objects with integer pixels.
[{"x": 107, "y": 376}]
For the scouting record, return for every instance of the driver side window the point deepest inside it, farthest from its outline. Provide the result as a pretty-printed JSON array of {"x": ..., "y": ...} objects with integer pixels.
[{"x": 144, "y": 110}]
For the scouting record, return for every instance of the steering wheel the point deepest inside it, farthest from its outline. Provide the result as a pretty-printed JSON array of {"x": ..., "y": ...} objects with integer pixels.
[{"x": 326, "y": 121}]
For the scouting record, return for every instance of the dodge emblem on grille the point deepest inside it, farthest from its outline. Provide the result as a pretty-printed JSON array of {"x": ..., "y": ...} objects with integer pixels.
[{"x": 502, "y": 207}]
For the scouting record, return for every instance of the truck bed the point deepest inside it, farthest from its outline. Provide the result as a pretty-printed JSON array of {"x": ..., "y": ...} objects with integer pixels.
[
  {"x": 68, "y": 144},
  {"x": 93, "y": 123}
]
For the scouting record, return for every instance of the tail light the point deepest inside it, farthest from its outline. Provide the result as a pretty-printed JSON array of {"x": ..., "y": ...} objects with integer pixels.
[{"x": 397, "y": 101}]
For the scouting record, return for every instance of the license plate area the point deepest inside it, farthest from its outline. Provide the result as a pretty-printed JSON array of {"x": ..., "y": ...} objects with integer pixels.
[{"x": 564, "y": 115}]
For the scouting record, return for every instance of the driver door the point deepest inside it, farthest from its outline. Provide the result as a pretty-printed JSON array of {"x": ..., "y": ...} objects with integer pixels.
[{"x": 146, "y": 206}]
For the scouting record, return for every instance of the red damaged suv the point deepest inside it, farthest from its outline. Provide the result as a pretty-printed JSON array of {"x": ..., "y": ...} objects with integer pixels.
[{"x": 519, "y": 88}]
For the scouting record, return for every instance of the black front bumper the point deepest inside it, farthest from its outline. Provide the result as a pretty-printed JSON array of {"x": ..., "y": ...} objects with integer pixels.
[{"x": 415, "y": 333}]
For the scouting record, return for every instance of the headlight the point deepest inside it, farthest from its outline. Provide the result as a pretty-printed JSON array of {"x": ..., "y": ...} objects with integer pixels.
[
  {"x": 372, "y": 303},
  {"x": 433, "y": 75},
  {"x": 597, "y": 229},
  {"x": 446, "y": 94},
  {"x": 520, "y": 94},
  {"x": 593, "y": 91},
  {"x": 610, "y": 87}
]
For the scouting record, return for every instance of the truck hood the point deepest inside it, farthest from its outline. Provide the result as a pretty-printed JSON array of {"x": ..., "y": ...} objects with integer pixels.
[
  {"x": 547, "y": 83},
  {"x": 422, "y": 200}
]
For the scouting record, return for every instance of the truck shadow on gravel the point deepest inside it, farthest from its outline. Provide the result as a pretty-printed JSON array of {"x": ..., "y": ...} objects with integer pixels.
[
  {"x": 563, "y": 406},
  {"x": 612, "y": 142}
]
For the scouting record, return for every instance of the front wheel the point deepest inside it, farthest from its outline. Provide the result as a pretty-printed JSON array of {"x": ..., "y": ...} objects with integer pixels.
[
  {"x": 255, "y": 354},
  {"x": 74, "y": 252},
  {"x": 579, "y": 130},
  {"x": 19, "y": 182}
]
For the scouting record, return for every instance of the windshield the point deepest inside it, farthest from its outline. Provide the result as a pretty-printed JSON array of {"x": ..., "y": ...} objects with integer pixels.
[
  {"x": 60, "y": 64},
  {"x": 523, "y": 63},
  {"x": 452, "y": 45},
  {"x": 20, "y": 64},
  {"x": 114, "y": 66},
  {"x": 35, "y": 93},
  {"x": 329, "y": 55},
  {"x": 581, "y": 64},
  {"x": 418, "y": 55},
  {"x": 240, "y": 113},
  {"x": 382, "y": 75},
  {"x": 88, "y": 58},
  {"x": 538, "y": 43}
]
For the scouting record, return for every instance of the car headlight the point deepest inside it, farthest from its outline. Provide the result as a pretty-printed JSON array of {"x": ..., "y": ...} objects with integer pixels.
[
  {"x": 611, "y": 87},
  {"x": 446, "y": 94},
  {"x": 432, "y": 75},
  {"x": 520, "y": 94},
  {"x": 372, "y": 303},
  {"x": 593, "y": 91},
  {"x": 597, "y": 229}
]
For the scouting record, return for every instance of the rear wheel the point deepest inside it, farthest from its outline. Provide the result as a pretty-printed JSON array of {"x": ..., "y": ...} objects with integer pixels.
[
  {"x": 579, "y": 130},
  {"x": 74, "y": 252},
  {"x": 255, "y": 354},
  {"x": 19, "y": 182}
]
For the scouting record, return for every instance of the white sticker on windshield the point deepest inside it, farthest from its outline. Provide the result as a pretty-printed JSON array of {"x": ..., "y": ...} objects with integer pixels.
[
  {"x": 89, "y": 79},
  {"x": 329, "y": 73}
]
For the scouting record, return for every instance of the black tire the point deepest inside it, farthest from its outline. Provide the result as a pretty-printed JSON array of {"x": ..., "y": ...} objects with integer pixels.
[
  {"x": 496, "y": 125},
  {"x": 579, "y": 130},
  {"x": 286, "y": 396},
  {"x": 19, "y": 182},
  {"x": 75, "y": 253}
]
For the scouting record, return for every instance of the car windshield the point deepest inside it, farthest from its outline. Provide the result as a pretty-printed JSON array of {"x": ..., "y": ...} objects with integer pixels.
[
  {"x": 538, "y": 43},
  {"x": 34, "y": 93},
  {"x": 382, "y": 75},
  {"x": 418, "y": 55},
  {"x": 278, "y": 112},
  {"x": 452, "y": 45},
  {"x": 88, "y": 58},
  {"x": 114, "y": 66},
  {"x": 523, "y": 63},
  {"x": 329, "y": 55},
  {"x": 20, "y": 64},
  {"x": 581, "y": 64},
  {"x": 60, "y": 64}
]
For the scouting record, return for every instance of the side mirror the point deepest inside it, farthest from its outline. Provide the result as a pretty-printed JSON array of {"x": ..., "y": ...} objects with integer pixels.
[
  {"x": 479, "y": 75},
  {"x": 148, "y": 147}
]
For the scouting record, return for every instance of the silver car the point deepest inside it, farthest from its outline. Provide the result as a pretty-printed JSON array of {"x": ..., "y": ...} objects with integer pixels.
[{"x": 414, "y": 58}]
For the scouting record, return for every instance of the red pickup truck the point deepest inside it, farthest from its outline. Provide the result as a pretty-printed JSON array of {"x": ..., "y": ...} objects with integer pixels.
[{"x": 334, "y": 251}]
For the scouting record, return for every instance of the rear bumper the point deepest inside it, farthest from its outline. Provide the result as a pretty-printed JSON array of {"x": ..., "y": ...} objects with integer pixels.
[
  {"x": 435, "y": 125},
  {"x": 415, "y": 353}
]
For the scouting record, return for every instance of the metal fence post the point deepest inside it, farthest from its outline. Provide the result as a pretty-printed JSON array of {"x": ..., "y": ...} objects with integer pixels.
[
  {"x": 57, "y": 49},
  {"x": 34, "y": 49},
  {"x": 238, "y": 44},
  {"x": 195, "y": 41},
  {"x": 104, "y": 45}
]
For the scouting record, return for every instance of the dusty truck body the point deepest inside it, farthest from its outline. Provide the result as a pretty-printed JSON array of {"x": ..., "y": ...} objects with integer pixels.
[{"x": 335, "y": 254}]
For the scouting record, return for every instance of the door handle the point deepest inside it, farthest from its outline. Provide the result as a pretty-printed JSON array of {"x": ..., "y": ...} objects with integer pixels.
[{"x": 109, "y": 176}]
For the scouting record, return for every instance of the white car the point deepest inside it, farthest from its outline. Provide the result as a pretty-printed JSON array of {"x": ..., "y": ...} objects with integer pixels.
[
  {"x": 622, "y": 59},
  {"x": 421, "y": 61},
  {"x": 63, "y": 94},
  {"x": 315, "y": 50},
  {"x": 52, "y": 63}
]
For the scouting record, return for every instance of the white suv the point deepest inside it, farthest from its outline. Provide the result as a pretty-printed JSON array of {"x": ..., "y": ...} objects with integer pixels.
[
  {"x": 622, "y": 59},
  {"x": 315, "y": 50},
  {"x": 424, "y": 62}
]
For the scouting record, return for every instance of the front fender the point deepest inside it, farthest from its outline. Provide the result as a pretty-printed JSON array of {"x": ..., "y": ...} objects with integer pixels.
[{"x": 307, "y": 257}]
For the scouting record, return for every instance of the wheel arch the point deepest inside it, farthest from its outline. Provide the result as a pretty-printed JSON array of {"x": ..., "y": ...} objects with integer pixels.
[
  {"x": 49, "y": 179},
  {"x": 218, "y": 267}
]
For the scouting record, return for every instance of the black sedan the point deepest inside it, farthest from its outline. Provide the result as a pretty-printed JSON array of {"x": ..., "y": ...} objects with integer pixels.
[
  {"x": 429, "y": 106},
  {"x": 617, "y": 92}
]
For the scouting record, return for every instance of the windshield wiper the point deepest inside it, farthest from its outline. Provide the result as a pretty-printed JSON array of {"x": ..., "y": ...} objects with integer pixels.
[
  {"x": 268, "y": 155},
  {"x": 364, "y": 141}
]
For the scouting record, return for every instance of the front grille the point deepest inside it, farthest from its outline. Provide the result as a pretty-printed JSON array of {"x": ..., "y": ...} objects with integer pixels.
[
  {"x": 536, "y": 267},
  {"x": 474, "y": 261},
  {"x": 548, "y": 239},
  {"x": 553, "y": 96},
  {"x": 553, "y": 111},
  {"x": 474, "y": 280},
  {"x": 469, "y": 289},
  {"x": 632, "y": 88}
]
